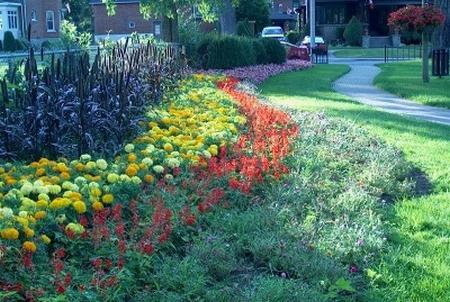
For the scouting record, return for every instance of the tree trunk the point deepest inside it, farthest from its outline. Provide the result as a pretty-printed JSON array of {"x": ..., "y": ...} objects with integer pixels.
[
  {"x": 228, "y": 18},
  {"x": 170, "y": 26},
  {"x": 425, "y": 58}
]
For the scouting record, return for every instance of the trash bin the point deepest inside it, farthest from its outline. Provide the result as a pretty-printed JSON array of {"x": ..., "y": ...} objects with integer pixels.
[{"x": 441, "y": 62}]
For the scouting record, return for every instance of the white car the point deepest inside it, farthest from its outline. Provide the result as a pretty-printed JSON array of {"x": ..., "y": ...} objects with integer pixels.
[
  {"x": 307, "y": 40},
  {"x": 274, "y": 32}
]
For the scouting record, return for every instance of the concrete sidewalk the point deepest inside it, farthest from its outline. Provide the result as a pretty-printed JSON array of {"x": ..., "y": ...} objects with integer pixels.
[{"x": 358, "y": 84}]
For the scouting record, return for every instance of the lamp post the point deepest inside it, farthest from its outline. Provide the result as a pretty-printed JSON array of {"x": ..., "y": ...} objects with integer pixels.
[
  {"x": 425, "y": 54},
  {"x": 312, "y": 24}
]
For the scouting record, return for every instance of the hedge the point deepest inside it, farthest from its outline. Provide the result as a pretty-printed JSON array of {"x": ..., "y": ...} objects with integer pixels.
[{"x": 225, "y": 52}]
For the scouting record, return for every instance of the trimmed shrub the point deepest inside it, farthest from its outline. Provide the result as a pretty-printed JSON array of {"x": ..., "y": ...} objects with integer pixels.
[
  {"x": 229, "y": 52},
  {"x": 260, "y": 52},
  {"x": 9, "y": 42},
  {"x": 353, "y": 32},
  {"x": 293, "y": 37},
  {"x": 244, "y": 29},
  {"x": 276, "y": 53}
]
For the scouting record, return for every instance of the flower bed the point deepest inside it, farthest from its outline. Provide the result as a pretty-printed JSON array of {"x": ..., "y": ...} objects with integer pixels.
[
  {"x": 203, "y": 148},
  {"x": 259, "y": 73}
]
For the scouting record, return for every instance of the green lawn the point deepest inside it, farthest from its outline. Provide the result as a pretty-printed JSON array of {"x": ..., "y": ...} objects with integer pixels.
[
  {"x": 405, "y": 79},
  {"x": 416, "y": 266}
]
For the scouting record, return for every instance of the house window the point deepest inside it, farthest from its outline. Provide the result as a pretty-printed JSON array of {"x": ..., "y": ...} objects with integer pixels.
[
  {"x": 33, "y": 15},
  {"x": 50, "y": 20},
  {"x": 131, "y": 24},
  {"x": 157, "y": 28},
  {"x": 12, "y": 19},
  {"x": 331, "y": 14}
]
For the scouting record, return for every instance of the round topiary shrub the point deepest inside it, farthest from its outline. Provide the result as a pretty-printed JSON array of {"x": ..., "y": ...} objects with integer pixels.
[
  {"x": 293, "y": 36},
  {"x": 353, "y": 32},
  {"x": 276, "y": 53},
  {"x": 9, "y": 42}
]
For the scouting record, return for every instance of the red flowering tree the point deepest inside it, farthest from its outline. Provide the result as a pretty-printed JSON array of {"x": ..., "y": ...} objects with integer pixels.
[{"x": 423, "y": 20}]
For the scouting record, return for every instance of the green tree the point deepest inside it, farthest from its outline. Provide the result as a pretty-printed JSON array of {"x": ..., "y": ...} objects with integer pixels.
[
  {"x": 80, "y": 13},
  {"x": 170, "y": 10},
  {"x": 71, "y": 37},
  {"x": 254, "y": 10},
  {"x": 353, "y": 32}
]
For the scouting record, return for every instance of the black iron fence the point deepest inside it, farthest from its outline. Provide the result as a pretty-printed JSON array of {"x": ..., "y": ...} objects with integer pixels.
[{"x": 394, "y": 54}]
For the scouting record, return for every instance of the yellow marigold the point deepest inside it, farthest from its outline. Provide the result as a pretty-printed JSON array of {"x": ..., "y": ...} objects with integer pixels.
[
  {"x": 10, "y": 181},
  {"x": 132, "y": 157},
  {"x": 79, "y": 167},
  {"x": 29, "y": 246},
  {"x": 23, "y": 221},
  {"x": 40, "y": 172},
  {"x": 79, "y": 206},
  {"x": 131, "y": 171},
  {"x": 10, "y": 234},
  {"x": 42, "y": 203},
  {"x": 40, "y": 215},
  {"x": 149, "y": 178},
  {"x": 168, "y": 147},
  {"x": 75, "y": 227},
  {"x": 97, "y": 206},
  {"x": 28, "y": 232},
  {"x": 112, "y": 178},
  {"x": 108, "y": 198},
  {"x": 65, "y": 175},
  {"x": 213, "y": 149},
  {"x": 45, "y": 239},
  {"x": 96, "y": 192},
  {"x": 60, "y": 203}
]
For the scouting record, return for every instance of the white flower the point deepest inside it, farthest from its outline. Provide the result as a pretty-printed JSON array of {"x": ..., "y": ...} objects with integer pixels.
[
  {"x": 102, "y": 164},
  {"x": 6, "y": 212},
  {"x": 147, "y": 161},
  {"x": 172, "y": 163},
  {"x": 124, "y": 178},
  {"x": 23, "y": 214},
  {"x": 129, "y": 148},
  {"x": 158, "y": 169},
  {"x": 26, "y": 188},
  {"x": 168, "y": 177},
  {"x": 136, "y": 180},
  {"x": 85, "y": 158}
]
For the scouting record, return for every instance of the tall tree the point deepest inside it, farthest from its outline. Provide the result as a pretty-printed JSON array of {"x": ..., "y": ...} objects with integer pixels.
[
  {"x": 170, "y": 11},
  {"x": 254, "y": 10},
  {"x": 79, "y": 12}
]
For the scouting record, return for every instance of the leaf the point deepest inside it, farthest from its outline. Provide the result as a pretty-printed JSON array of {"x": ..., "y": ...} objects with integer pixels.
[{"x": 345, "y": 285}]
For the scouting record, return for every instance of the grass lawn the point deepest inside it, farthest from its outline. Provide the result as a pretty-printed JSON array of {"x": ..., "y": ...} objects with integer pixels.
[
  {"x": 416, "y": 266},
  {"x": 405, "y": 79}
]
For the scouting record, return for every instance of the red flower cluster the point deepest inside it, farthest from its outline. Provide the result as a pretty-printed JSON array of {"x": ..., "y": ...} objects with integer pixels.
[
  {"x": 261, "y": 150},
  {"x": 417, "y": 18}
]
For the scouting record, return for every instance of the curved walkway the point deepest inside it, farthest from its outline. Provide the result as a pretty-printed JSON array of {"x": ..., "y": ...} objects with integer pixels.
[{"x": 358, "y": 84}]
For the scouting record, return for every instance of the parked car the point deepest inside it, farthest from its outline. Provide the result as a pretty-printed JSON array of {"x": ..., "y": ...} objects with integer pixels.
[
  {"x": 321, "y": 46},
  {"x": 274, "y": 32}
]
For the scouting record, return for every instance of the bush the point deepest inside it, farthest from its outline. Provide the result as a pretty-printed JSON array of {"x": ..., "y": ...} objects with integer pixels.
[
  {"x": 276, "y": 53},
  {"x": 293, "y": 37},
  {"x": 9, "y": 42},
  {"x": 353, "y": 32},
  {"x": 260, "y": 52},
  {"x": 244, "y": 29}
]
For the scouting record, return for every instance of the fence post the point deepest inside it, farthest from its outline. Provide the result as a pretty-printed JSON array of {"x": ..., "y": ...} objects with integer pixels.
[{"x": 385, "y": 54}]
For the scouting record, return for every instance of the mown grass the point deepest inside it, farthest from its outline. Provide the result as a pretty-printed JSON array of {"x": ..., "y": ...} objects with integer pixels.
[
  {"x": 416, "y": 266},
  {"x": 359, "y": 52},
  {"x": 405, "y": 80}
]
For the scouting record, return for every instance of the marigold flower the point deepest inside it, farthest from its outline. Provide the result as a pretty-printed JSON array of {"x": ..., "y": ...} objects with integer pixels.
[
  {"x": 28, "y": 232},
  {"x": 79, "y": 206},
  {"x": 40, "y": 172},
  {"x": 96, "y": 192},
  {"x": 112, "y": 178},
  {"x": 40, "y": 215},
  {"x": 168, "y": 147},
  {"x": 132, "y": 157},
  {"x": 42, "y": 203},
  {"x": 158, "y": 169},
  {"x": 149, "y": 178},
  {"x": 29, "y": 246},
  {"x": 131, "y": 171},
  {"x": 108, "y": 198},
  {"x": 10, "y": 234},
  {"x": 129, "y": 148},
  {"x": 45, "y": 239},
  {"x": 97, "y": 206},
  {"x": 75, "y": 228}
]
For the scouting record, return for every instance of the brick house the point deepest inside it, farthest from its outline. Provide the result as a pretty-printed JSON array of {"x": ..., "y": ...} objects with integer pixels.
[
  {"x": 124, "y": 22},
  {"x": 44, "y": 16},
  {"x": 333, "y": 15}
]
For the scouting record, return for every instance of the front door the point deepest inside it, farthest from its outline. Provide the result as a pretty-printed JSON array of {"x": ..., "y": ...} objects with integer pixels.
[{"x": 378, "y": 18}]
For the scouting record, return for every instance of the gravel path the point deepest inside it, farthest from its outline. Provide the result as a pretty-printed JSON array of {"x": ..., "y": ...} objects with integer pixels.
[{"x": 358, "y": 84}]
